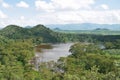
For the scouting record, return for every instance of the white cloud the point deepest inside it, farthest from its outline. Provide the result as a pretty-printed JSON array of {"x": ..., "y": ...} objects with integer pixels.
[
  {"x": 73, "y": 4},
  {"x": 104, "y": 6},
  {"x": 42, "y": 5},
  {"x": 2, "y": 15},
  {"x": 76, "y": 11},
  {"x": 63, "y": 5},
  {"x": 5, "y": 5},
  {"x": 22, "y": 4},
  {"x": 64, "y": 12},
  {"x": 67, "y": 17},
  {"x": 92, "y": 16},
  {"x": 22, "y": 17}
]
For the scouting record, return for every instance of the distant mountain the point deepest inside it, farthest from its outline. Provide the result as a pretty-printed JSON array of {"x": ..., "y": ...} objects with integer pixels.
[
  {"x": 56, "y": 29},
  {"x": 84, "y": 26},
  {"x": 28, "y": 26},
  {"x": 103, "y": 29}
]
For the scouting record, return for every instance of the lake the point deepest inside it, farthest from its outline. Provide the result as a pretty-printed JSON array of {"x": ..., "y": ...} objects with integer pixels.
[{"x": 53, "y": 54}]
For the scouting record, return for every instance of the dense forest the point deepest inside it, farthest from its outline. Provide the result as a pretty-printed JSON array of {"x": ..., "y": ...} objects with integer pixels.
[
  {"x": 41, "y": 34},
  {"x": 88, "y": 61},
  {"x": 98, "y": 31}
]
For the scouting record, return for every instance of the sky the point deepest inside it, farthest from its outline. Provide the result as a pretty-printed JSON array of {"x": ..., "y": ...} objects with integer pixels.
[{"x": 33, "y": 12}]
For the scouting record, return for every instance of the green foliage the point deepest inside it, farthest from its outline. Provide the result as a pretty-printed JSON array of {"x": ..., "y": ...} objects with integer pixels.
[
  {"x": 97, "y": 31},
  {"x": 40, "y": 34},
  {"x": 14, "y": 56},
  {"x": 113, "y": 45},
  {"x": 87, "y": 61}
]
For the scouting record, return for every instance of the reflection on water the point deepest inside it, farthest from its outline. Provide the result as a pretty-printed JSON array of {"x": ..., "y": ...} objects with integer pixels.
[{"x": 58, "y": 50}]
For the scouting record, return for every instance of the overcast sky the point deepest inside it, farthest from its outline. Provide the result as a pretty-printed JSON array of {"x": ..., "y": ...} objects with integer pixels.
[{"x": 32, "y": 12}]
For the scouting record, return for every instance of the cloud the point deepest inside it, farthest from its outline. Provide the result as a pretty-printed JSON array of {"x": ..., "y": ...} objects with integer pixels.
[
  {"x": 104, "y": 6},
  {"x": 2, "y": 15},
  {"x": 22, "y": 17},
  {"x": 67, "y": 17},
  {"x": 21, "y": 21},
  {"x": 76, "y": 11},
  {"x": 73, "y": 4},
  {"x": 5, "y": 5},
  {"x": 101, "y": 17},
  {"x": 22, "y": 4},
  {"x": 92, "y": 16},
  {"x": 42, "y": 5},
  {"x": 63, "y": 5},
  {"x": 63, "y": 12}
]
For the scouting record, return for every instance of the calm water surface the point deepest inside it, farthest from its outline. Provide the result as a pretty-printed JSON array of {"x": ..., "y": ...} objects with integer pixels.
[{"x": 58, "y": 50}]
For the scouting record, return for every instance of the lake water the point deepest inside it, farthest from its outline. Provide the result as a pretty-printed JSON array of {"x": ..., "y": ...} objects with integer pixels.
[{"x": 58, "y": 50}]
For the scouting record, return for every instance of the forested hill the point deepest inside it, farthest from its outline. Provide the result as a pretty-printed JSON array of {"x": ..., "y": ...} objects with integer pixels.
[
  {"x": 41, "y": 34},
  {"x": 38, "y": 31}
]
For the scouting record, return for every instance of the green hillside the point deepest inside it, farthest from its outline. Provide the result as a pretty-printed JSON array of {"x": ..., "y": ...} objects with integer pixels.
[
  {"x": 38, "y": 31},
  {"x": 98, "y": 32},
  {"x": 41, "y": 34}
]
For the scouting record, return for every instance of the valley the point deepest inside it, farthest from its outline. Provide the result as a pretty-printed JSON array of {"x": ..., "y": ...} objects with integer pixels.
[{"x": 41, "y": 53}]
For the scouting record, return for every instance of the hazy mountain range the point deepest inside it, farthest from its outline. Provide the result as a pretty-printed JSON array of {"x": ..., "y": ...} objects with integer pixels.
[{"x": 84, "y": 26}]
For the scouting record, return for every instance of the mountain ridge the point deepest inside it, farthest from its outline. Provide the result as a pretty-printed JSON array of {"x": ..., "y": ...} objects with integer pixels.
[
  {"x": 38, "y": 31},
  {"x": 84, "y": 26}
]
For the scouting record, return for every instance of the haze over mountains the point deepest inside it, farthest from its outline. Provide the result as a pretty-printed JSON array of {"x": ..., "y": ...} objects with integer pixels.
[
  {"x": 41, "y": 33},
  {"x": 84, "y": 26}
]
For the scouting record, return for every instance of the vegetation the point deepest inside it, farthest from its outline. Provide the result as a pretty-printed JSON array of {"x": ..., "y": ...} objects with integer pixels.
[
  {"x": 96, "y": 31},
  {"x": 14, "y": 60},
  {"x": 94, "y": 57},
  {"x": 40, "y": 34},
  {"x": 87, "y": 62}
]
